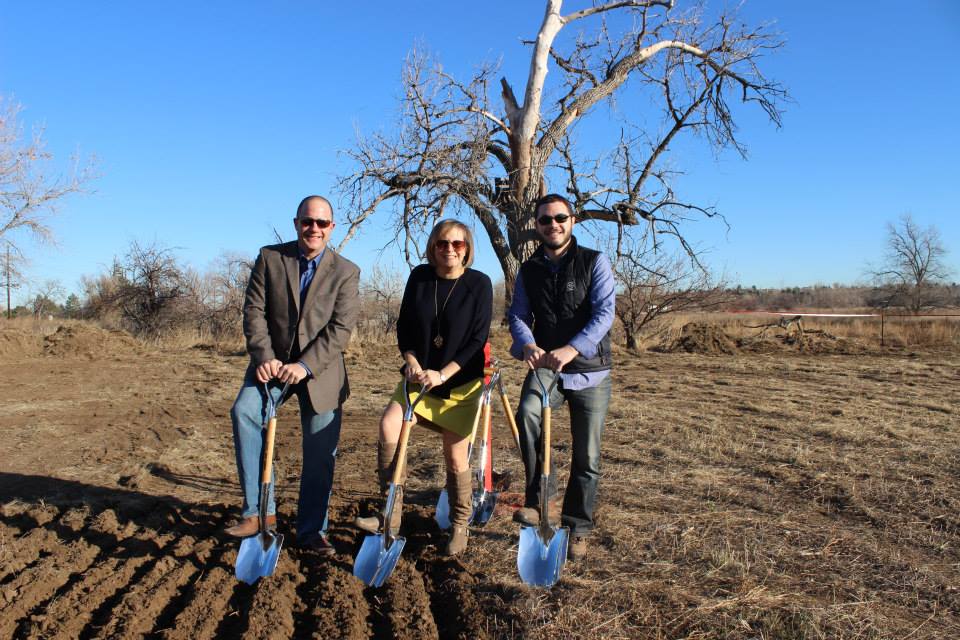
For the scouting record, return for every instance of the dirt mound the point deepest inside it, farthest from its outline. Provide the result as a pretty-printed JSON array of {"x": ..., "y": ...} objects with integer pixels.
[
  {"x": 18, "y": 343},
  {"x": 818, "y": 342},
  {"x": 696, "y": 337},
  {"x": 88, "y": 341}
]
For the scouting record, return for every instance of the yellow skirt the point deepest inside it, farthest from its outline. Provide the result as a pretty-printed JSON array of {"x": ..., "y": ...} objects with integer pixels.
[{"x": 455, "y": 413}]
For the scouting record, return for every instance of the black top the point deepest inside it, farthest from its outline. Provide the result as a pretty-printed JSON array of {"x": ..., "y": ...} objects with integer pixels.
[{"x": 463, "y": 323}]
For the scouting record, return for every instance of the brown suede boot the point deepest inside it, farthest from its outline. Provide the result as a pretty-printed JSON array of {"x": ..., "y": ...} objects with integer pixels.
[
  {"x": 460, "y": 494},
  {"x": 386, "y": 452}
]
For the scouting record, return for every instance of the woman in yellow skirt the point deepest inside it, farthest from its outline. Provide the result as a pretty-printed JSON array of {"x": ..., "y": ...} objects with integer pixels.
[{"x": 443, "y": 326}]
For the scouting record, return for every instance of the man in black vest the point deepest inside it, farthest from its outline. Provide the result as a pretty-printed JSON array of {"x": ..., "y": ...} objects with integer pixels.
[{"x": 560, "y": 320}]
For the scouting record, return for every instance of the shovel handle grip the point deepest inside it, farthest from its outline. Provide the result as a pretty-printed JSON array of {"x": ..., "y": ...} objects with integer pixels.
[
  {"x": 546, "y": 439},
  {"x": 268, "y": 450}
]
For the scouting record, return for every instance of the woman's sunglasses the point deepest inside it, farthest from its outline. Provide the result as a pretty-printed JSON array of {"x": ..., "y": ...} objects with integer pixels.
[{"x": 457, "y": 245}]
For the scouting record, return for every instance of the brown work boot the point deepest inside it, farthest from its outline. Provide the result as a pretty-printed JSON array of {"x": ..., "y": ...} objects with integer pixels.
[
  {"x": 530, "y": 516},
  {"x": 460, "y": 494},
  {"x": 386, "y": 452},
  {"x": 249, "y": 526},
  {"x": 577, "y": 548}
]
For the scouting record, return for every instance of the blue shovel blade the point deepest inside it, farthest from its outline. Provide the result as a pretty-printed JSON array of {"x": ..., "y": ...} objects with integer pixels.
[
  {"x": 483, "y": 506},
  {"x": 442, "y": 516},
  {"x": 258, "y": 556},
  {"x": 374, "y": 563},
  {"x": 539, "y": 562}
]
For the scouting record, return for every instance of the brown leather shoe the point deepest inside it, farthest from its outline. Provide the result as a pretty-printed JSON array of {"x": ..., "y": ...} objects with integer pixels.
[
  {"x": 577, "y": 548},
  {"x": 528, "y": 516},
  {"x": 321, "y": 545},
  {"x": 249, "y": 526},
  {"x": 370, "y": 524}
]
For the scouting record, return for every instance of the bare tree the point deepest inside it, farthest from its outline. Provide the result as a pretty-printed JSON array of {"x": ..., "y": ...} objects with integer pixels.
[
  {"x": 12, "y": 270},
  {"x": 29, "y": 192},
  {"x": 455, "y": 150},
  {"x": 913, "y": 267},
  {"x": 46, "y": 299},
  {"x": 153, "y": 284},
  {"x": 381, "y": 292},
  {"x": 653, "y": 284}
]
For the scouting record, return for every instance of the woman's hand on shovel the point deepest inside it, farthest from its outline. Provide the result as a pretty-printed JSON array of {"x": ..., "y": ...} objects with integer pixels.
[{"x": 429, "y": 378}]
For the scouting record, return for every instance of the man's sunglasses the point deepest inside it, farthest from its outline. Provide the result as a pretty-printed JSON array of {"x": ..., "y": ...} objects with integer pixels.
[
  {"x": 560, "y": 218},
  {"x": 457, "y": 245},
  {"x": 306, "y": 223}
]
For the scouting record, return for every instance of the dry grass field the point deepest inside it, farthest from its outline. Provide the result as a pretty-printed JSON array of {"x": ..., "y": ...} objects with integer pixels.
[{"x": 774, "y": 486}]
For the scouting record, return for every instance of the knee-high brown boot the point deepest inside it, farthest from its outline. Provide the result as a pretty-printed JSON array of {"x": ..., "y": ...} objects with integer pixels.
[
  {"x": 460, "y": 494},
  {"x": 386, "y": 452}
]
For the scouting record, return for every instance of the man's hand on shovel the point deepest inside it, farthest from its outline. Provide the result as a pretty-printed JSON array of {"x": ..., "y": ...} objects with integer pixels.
[
  {"x": 558, "y": 358},
  {"x": 268, "y": 370}
]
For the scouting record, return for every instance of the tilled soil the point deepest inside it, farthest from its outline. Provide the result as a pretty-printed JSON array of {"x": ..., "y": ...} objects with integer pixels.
[{"x": 742, "y": 497}]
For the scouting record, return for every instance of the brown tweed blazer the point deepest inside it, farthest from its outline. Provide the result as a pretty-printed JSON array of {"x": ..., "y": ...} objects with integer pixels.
[{"x": 274, "y": 323}]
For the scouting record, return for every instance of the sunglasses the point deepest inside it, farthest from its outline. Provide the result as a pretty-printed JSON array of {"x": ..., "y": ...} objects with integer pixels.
[
  {"x": 457, "y": 245},
  {"x": 560, "y": 218},
  {"x": 306, "y": 223}
]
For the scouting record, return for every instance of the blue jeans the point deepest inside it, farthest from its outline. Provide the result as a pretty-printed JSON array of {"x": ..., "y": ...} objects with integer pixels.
[
  {"x": 321, "y": 434},
  {"x": 588, "y": 410}
]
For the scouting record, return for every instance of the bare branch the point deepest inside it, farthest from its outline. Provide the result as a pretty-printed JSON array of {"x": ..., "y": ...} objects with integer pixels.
[
  {"x": 610, "y": 6},
  {"x": 29, "y": 196}
]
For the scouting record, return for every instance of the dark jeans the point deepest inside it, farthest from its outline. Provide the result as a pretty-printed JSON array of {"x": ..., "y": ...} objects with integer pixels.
[
  {"x": 588, "y": 410},
  {"x": 321, "y": 434}
]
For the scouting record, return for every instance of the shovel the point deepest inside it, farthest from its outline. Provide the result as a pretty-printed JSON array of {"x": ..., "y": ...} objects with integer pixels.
[
  {"x": 442, "y": 513},
  {"x": 379, "y": 553},
  {"x": 543, "y": 549},
  {"x": 484, "y": 498},
  {"x": 259, "y": 554}
]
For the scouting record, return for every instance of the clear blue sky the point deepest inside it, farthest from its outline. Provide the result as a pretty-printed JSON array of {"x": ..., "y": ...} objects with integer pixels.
[{"x": 211, "y": 119}]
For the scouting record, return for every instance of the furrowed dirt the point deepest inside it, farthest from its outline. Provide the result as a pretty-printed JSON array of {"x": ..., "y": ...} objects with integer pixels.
[{"x": 775, "y": 490}]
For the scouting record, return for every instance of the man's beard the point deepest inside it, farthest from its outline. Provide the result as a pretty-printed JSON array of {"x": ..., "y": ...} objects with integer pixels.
[{"x": 556, "y": 244}]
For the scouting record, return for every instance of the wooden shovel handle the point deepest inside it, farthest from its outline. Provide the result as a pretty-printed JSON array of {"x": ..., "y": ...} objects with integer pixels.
[
  {"x": 476, "y": 419},
  {"x": 510, "y": 418},
  {"x": 546, "y": 440},
  {"x": 402, "y": 452},
  {"x": 268, "y": 450},
  {"x": 487, "y": 419}
]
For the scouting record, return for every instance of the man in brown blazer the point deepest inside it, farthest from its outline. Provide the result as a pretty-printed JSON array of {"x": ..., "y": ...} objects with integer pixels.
[{"x": 301, "y": 305}]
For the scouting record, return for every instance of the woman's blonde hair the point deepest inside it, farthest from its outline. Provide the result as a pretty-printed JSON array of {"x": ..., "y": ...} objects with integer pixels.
[{"x": 442, "y": 227}]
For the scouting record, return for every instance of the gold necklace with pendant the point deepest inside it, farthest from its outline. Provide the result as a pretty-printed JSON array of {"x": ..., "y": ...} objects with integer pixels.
[{"x": 438, "y": 339}]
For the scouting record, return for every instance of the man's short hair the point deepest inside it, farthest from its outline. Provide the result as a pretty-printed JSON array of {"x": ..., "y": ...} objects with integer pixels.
[
  {"x": 305, "y": 201},
  {"x": 553, "y": 197}
]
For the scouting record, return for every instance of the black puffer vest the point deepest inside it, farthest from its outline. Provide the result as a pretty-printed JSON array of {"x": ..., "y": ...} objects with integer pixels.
[{"x": 560, "y": 302}]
